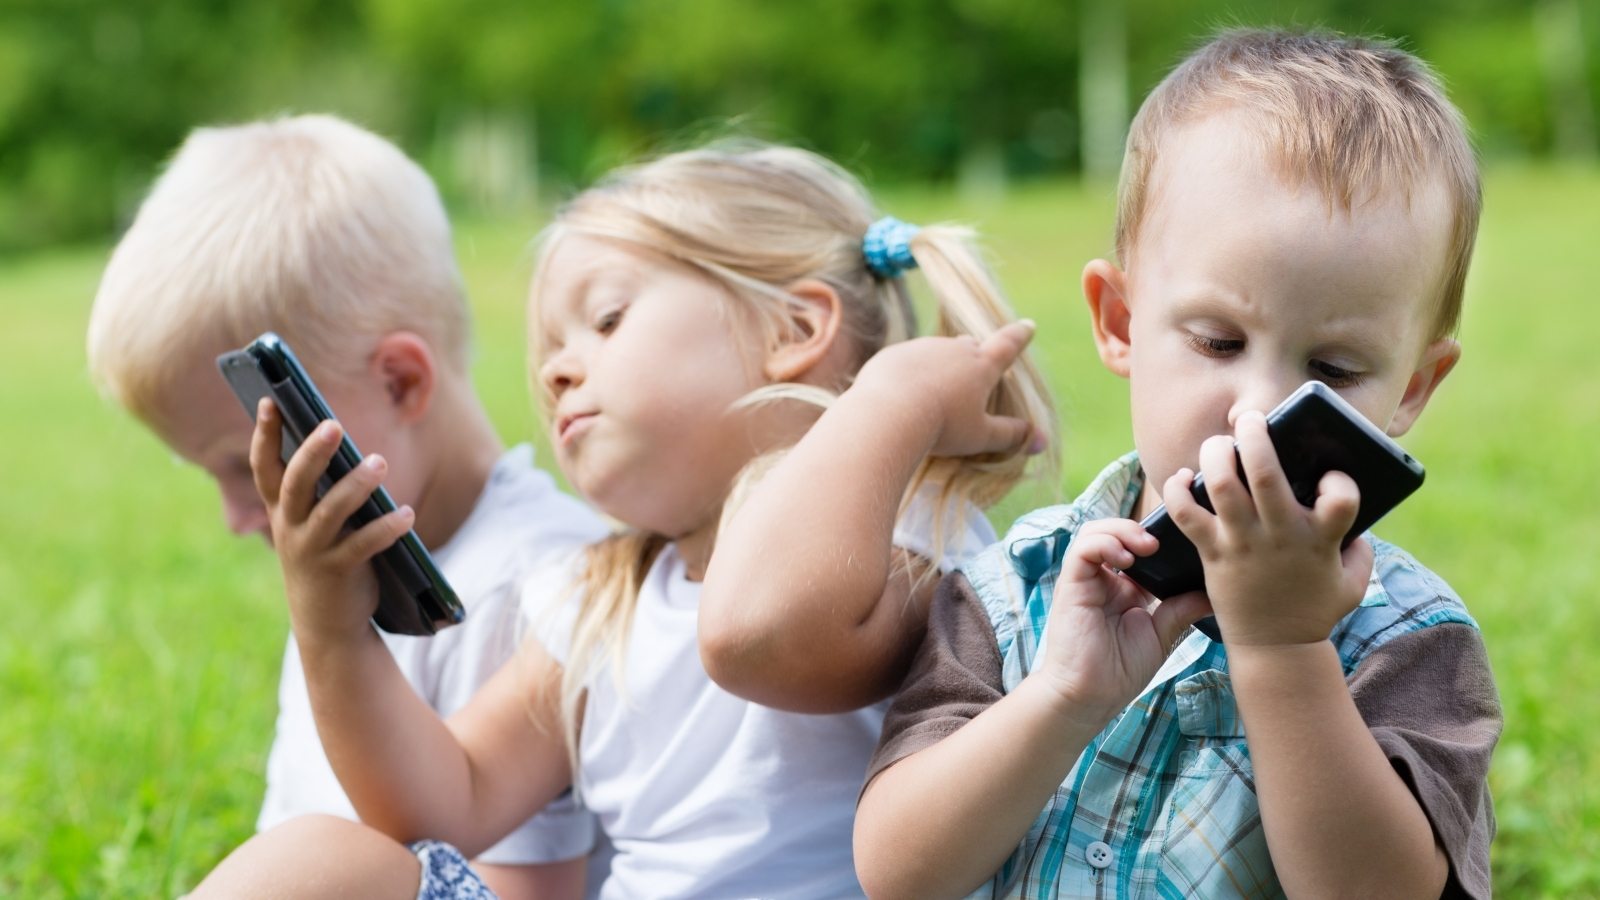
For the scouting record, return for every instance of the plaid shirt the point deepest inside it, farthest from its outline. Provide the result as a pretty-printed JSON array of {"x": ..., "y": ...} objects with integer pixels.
[{"x": 1162, "y": 802}]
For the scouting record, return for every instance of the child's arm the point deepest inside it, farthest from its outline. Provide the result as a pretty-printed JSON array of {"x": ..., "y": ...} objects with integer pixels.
[
  {"x": 943, "y": 820},
  {"x": 1338, "y": 818},
  {"x": 406, "y": 772},
  {"x": 799, "y": 610}
]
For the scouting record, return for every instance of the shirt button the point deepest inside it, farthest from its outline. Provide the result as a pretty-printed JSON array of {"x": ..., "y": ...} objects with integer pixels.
[{"x": 1098, "y": 854}]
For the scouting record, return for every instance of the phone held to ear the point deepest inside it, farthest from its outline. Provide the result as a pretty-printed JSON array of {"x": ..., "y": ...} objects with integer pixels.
[
  {"x": 413, "y": 596},
  {"x": 1315, "y": 432}
]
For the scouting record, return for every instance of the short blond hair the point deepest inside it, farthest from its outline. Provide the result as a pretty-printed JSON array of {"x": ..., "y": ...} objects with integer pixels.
[
  {"x": 308, "y": 225},
  {"x": 1352, "y": 116}
]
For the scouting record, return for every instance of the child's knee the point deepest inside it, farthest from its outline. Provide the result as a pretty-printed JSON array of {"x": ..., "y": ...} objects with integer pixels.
[{"x": 293, "y": 859}]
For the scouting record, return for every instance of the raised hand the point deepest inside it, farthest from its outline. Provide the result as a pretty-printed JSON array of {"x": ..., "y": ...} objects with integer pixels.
[
  {"x": 947, "y": 382},
  {"x": 1107, "y": 636},
  {"x": 332, "y": 590},
  {"x": 1274, "y": 569}
]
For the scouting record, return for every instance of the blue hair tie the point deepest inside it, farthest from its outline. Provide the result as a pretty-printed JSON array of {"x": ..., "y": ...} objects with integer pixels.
[{"x": 887, "y": 247}]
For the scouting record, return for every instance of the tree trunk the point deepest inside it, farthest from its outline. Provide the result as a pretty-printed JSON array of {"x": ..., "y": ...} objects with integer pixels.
[
  {"x": 1102, "y": 85},
  {"x": 1562, "y": 55}
]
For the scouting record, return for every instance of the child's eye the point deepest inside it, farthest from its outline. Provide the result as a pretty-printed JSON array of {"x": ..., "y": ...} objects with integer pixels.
[
  {"x": 608, "y": 321},
  {"x": 1213, "y": 346},
  {"x": 1335, "y": 376}
]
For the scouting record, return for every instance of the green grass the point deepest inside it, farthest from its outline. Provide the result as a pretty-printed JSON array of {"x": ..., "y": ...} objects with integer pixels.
[{"x": 141, "y": 647}]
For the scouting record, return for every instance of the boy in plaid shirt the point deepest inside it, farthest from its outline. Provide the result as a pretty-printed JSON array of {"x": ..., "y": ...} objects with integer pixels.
[{"x": 1293, "y": 207}]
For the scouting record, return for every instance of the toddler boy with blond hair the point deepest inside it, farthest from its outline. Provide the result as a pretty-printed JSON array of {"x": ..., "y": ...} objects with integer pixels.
[
  {"x": 1294, "y": 206},
  {"x": 329, "y": 235}
]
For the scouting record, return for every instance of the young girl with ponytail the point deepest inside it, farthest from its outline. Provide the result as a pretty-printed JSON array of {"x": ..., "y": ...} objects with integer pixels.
[{"x": 688, "y": 318}]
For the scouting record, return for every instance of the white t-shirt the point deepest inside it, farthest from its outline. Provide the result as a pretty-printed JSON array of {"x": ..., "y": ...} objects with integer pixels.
[
  {"x": 704, "y": 794},
  {"x": 520, "y": 519}
]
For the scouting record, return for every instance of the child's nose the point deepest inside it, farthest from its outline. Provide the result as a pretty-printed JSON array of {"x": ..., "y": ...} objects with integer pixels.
[
  {"x": 560, "y": 373},
  {"x": 1259, "y": 396}
]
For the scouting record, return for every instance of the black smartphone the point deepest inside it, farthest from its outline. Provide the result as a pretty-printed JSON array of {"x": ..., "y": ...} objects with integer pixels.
[
  {"x": 1315, "y": 432},
  {"x": 413, "y": 597}
]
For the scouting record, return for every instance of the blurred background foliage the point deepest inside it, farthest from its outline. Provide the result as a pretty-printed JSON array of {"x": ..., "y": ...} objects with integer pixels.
[
  {"x": 136, "y": 681},
  {"x": 500, "y": 96}
]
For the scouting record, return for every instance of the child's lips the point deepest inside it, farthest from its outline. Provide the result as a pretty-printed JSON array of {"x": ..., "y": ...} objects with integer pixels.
[{"x": 570, "y": 426}]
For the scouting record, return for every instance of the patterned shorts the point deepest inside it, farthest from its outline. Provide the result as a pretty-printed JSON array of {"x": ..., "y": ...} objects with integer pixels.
[{"x": 446, "y": 875}]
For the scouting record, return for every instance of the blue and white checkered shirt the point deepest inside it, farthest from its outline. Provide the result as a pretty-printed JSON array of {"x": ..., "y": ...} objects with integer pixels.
[{"x": 1162, "y": 802}]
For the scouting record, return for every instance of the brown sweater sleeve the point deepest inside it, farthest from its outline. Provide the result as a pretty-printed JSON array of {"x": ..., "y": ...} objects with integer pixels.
[
  {"x": 954, "y": 676},
  {"x": 1429, "y": 699}
]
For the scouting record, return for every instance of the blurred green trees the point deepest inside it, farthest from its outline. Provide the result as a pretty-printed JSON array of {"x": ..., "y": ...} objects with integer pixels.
[{"x": 496, "y": 95}]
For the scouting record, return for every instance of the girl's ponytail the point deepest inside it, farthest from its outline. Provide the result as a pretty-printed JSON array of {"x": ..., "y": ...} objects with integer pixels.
[{"x": 970, "y": 303}]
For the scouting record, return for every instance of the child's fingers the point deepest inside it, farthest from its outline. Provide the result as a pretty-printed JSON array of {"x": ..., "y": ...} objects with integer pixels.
[
  {"x": 1088, "y": 556},
  {"x": 1130, "y": 533},
  {"x": 299, "y": 491},
  {"x": 1191, "y": 518},
  {"x": 1274, "y": 499},
  {"x": 1004, "y": 346},
  {"x": 1037, "y": 441},
  {"x": 266, "y": 451},
  {"x": 1219, "y": 463},
  {"x": 1338, "y": 502},
  {"x": 1357, "y": 561},
  {"x": 1175, "y": 614},
  {"x": 376, "y": 536},
  {"x": 1007, "y": 433},
  {"x": 1096, "y": 550},
  {"x": 1106, "y": 542},
  {"x": 341, "y": 501}
]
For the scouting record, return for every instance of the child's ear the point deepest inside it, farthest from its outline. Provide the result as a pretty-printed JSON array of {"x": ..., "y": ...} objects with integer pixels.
[
  {"x": 814, "y": 322},
  {"x": 405, "y": 363},
  {"x": 1437, "y": 360},
  {"x": 1105, "y": 287}
]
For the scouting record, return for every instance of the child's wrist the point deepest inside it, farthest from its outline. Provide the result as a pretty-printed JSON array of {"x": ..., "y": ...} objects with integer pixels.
[
  {"x": 1272, "y": 658},
  {"x": 1283, "y": 673},
  {"x": 1068, "y": 706},
  {"x": 1276, "y": 627},
  {"x": 912, "y": 412},
  {"x": 324, "y": 637}
]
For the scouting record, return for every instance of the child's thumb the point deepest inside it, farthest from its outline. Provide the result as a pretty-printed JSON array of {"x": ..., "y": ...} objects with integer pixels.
[
  {"x": 1009, "y": 433},
  {"x": 1006, "y": 344},
  {"x": 1175, "y": 614}
]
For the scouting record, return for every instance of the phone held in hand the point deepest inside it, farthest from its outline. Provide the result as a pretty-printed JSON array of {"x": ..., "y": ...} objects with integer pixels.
[
  {"x": 1315, "y": 432},
  {"x": 413, "y": 596}
]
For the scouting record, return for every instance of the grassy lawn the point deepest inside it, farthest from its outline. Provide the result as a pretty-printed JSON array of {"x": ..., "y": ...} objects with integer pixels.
[{"x": 140, "y": 654}]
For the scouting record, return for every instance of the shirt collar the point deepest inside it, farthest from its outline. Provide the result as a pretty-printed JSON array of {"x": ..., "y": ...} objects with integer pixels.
[
  {"x": 1114, "y": 492},
  {"x": 1034, "y": 542}
]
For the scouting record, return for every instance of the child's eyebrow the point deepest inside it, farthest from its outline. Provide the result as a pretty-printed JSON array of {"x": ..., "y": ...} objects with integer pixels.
[
  {"x": 1212, "y": 302},
  {"x": 1354, "y": 333},
  {"x": 597, "y": 281},
  {"x": 605, "y": 282}
]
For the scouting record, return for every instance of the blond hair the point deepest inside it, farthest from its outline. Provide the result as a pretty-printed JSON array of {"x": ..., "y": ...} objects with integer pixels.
[
  {"x": 1352, "y": 116},
  {"x": 309, "y": 226},
  {"x": 758, "y": 218}
]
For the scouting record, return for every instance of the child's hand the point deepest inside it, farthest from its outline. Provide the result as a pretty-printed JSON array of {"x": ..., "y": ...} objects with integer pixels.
[
  {"x": 332, "y": 591},
  {"x": 947, "y": 382},
  {"x": 1107, "y": 637},
  {"x": 1274, "y": 570}
]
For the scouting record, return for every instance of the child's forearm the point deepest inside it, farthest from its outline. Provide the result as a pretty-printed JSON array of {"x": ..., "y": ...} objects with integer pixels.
[
  {"x": 945, "y": 819},
  {"x": 794, "y": 613},
  {"x": 394, "y": 757},
  {"x": 404, "y": 769},
  {"x": 1339, "y": 820}
]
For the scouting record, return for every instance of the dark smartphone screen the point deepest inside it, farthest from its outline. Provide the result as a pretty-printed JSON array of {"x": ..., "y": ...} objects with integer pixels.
[
  {"x": 1315, "y": 432},
  {"x": 413, "y": 596}
]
